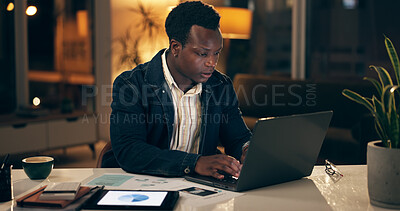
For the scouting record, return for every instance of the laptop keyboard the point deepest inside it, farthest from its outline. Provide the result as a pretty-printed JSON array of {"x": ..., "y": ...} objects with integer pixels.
[{"x": 227, "y": 178}]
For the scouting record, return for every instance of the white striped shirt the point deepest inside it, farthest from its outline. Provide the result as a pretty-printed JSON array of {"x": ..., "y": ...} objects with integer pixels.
[{"x": 187, "y": 109}]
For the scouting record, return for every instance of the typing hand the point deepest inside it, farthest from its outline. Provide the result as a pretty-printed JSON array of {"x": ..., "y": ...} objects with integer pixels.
[
  {"x": 209, "y": 166},
  {"x": 226, "y": 175}
]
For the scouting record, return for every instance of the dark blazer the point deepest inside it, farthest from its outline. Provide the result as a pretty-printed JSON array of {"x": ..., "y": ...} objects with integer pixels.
[{"x": 142, "y": 121}]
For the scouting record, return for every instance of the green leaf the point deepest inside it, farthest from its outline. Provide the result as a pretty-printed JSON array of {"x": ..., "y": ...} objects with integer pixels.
[
  {"x": 381, "y": 118},
  {"x": 376, "y": 84},
  {"x": 358, "y": 99},
  {"x": 394, "y": 118},
  {"x": 387, "y": 98},
  {"x": 394, "y": 127},
  {"x": 379, "y": 130},
  {"x": 392, "y": 100},
  {"x": 379, "y": 111},
  {"x": 393, "y": 58},
  {"x": 386, "y": 107},
  {"x": 384, "y": 76}
]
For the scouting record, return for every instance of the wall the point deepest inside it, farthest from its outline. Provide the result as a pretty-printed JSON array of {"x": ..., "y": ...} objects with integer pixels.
[{"x": 125, "y": 18}]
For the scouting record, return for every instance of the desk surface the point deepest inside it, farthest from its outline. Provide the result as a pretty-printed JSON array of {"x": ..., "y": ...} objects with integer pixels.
[{"x": 316, "y": 192}]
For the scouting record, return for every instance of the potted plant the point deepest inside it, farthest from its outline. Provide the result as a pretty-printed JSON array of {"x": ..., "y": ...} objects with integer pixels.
[
  {"x": 383, "y": 156},
  {"x": 149, "y": 28}
]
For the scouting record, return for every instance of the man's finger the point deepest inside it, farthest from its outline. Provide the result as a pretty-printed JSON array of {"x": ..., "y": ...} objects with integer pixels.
[
  {"x": 232, "y": 163},
  {"x": 217, "y": 175},
  {"x": 228, "y": 169}
]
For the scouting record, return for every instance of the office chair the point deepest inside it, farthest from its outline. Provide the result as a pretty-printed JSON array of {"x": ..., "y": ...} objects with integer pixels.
[{"x": 106, "y": 148}]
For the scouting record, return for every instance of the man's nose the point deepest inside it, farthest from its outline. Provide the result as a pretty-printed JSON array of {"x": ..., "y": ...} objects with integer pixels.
[{"x": 212, "y": 61}]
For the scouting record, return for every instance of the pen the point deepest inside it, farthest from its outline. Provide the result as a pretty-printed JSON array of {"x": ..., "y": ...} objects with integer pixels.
[
  {"x": 5, "y": 161},
  {"x": 101, "y": 187},
  {"x": 98, "y": 191}
]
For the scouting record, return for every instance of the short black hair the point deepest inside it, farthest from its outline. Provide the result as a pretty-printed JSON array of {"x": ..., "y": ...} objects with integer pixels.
[{"x": 181, "y": 19}]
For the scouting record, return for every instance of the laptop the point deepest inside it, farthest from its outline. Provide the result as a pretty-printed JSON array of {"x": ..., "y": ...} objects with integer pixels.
[{"x": 281, "y": 149}]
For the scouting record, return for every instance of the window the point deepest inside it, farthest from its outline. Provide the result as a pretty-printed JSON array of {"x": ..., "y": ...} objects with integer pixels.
[
  {"x": 271, "y": 41},
  {"x": 60, "y": 52},
  {"x": 344, "y": 37}
]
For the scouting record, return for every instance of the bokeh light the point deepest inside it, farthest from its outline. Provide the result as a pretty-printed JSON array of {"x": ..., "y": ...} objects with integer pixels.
[
  {"x": 31, "y": 10},
  {"x": 36, "y": 101}
]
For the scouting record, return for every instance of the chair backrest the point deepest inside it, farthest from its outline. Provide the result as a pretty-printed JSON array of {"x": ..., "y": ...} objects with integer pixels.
[{"x": 106, "y": 148}]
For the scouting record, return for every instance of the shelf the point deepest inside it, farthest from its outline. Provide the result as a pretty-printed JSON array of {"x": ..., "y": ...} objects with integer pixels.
[
  {"x": 53, "y": 131},
  {"x": 17, "y": 121},
  {"x": 58, "y": 77}
]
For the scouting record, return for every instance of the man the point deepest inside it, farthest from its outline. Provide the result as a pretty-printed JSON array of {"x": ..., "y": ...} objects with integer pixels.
[{"x": 169, "y": 114}]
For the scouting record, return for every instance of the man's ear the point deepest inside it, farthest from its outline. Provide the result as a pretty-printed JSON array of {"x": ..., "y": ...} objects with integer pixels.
[{"x": 176, "y": 47}]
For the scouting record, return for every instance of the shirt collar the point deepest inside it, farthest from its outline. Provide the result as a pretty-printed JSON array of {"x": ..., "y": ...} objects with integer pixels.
[{"x": 170, "y": 80}]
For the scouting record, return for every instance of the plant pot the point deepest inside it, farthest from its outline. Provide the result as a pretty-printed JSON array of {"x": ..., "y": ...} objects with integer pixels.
[{"x": 383, "y": 175}]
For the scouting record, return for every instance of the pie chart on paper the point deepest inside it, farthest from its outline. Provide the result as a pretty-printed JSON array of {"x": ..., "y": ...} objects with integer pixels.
[{"x": 133, "y": 198}]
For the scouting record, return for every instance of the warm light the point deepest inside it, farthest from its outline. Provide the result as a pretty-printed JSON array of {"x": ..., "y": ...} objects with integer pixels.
[
  {"x": 170, "y": 8},
  {"x": 10, "y": 6},
  {"x": 82, "y": 22},
  {"x": 36, "y": 101},
  {"x": 235, "y": 22},
  {"x": 31, "y": 10}
]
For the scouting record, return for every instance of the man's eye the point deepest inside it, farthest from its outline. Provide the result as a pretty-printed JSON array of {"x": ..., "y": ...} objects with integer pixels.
[
  {"x": 217, "y": 53},
  {"x": 202, "y": 54}
]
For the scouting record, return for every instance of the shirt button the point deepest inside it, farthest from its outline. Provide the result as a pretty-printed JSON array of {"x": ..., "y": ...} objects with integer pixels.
[
  {"x": 163, "y": 91},
  {"x": 187, "y": 170}
]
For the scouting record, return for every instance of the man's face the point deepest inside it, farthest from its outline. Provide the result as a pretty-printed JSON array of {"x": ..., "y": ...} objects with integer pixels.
[{"x": 196, "y": 62}]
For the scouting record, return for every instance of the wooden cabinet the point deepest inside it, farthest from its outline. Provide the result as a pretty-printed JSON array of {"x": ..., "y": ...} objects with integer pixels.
[
  {"x": 54, "y": 131},
  {"x": 67, "y": 132},
  {"x": 23, "y": 138}
]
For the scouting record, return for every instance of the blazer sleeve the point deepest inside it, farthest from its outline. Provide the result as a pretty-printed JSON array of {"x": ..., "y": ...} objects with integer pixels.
[
  {"x": 128, "y": 131},
  {"x": 233, "y": 133}
]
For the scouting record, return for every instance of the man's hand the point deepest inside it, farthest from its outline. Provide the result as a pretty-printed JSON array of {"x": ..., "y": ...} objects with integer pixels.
[{"x": 209, "y": 165}]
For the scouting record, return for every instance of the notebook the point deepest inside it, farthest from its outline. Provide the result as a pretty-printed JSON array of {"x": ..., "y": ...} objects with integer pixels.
[
  {"x": 281, "y": 149},
  {"x": 32, "y": 199}
]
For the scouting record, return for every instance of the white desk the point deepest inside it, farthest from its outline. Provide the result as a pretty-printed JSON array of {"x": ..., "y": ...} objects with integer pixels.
[{"x": 316, "y": 192}]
